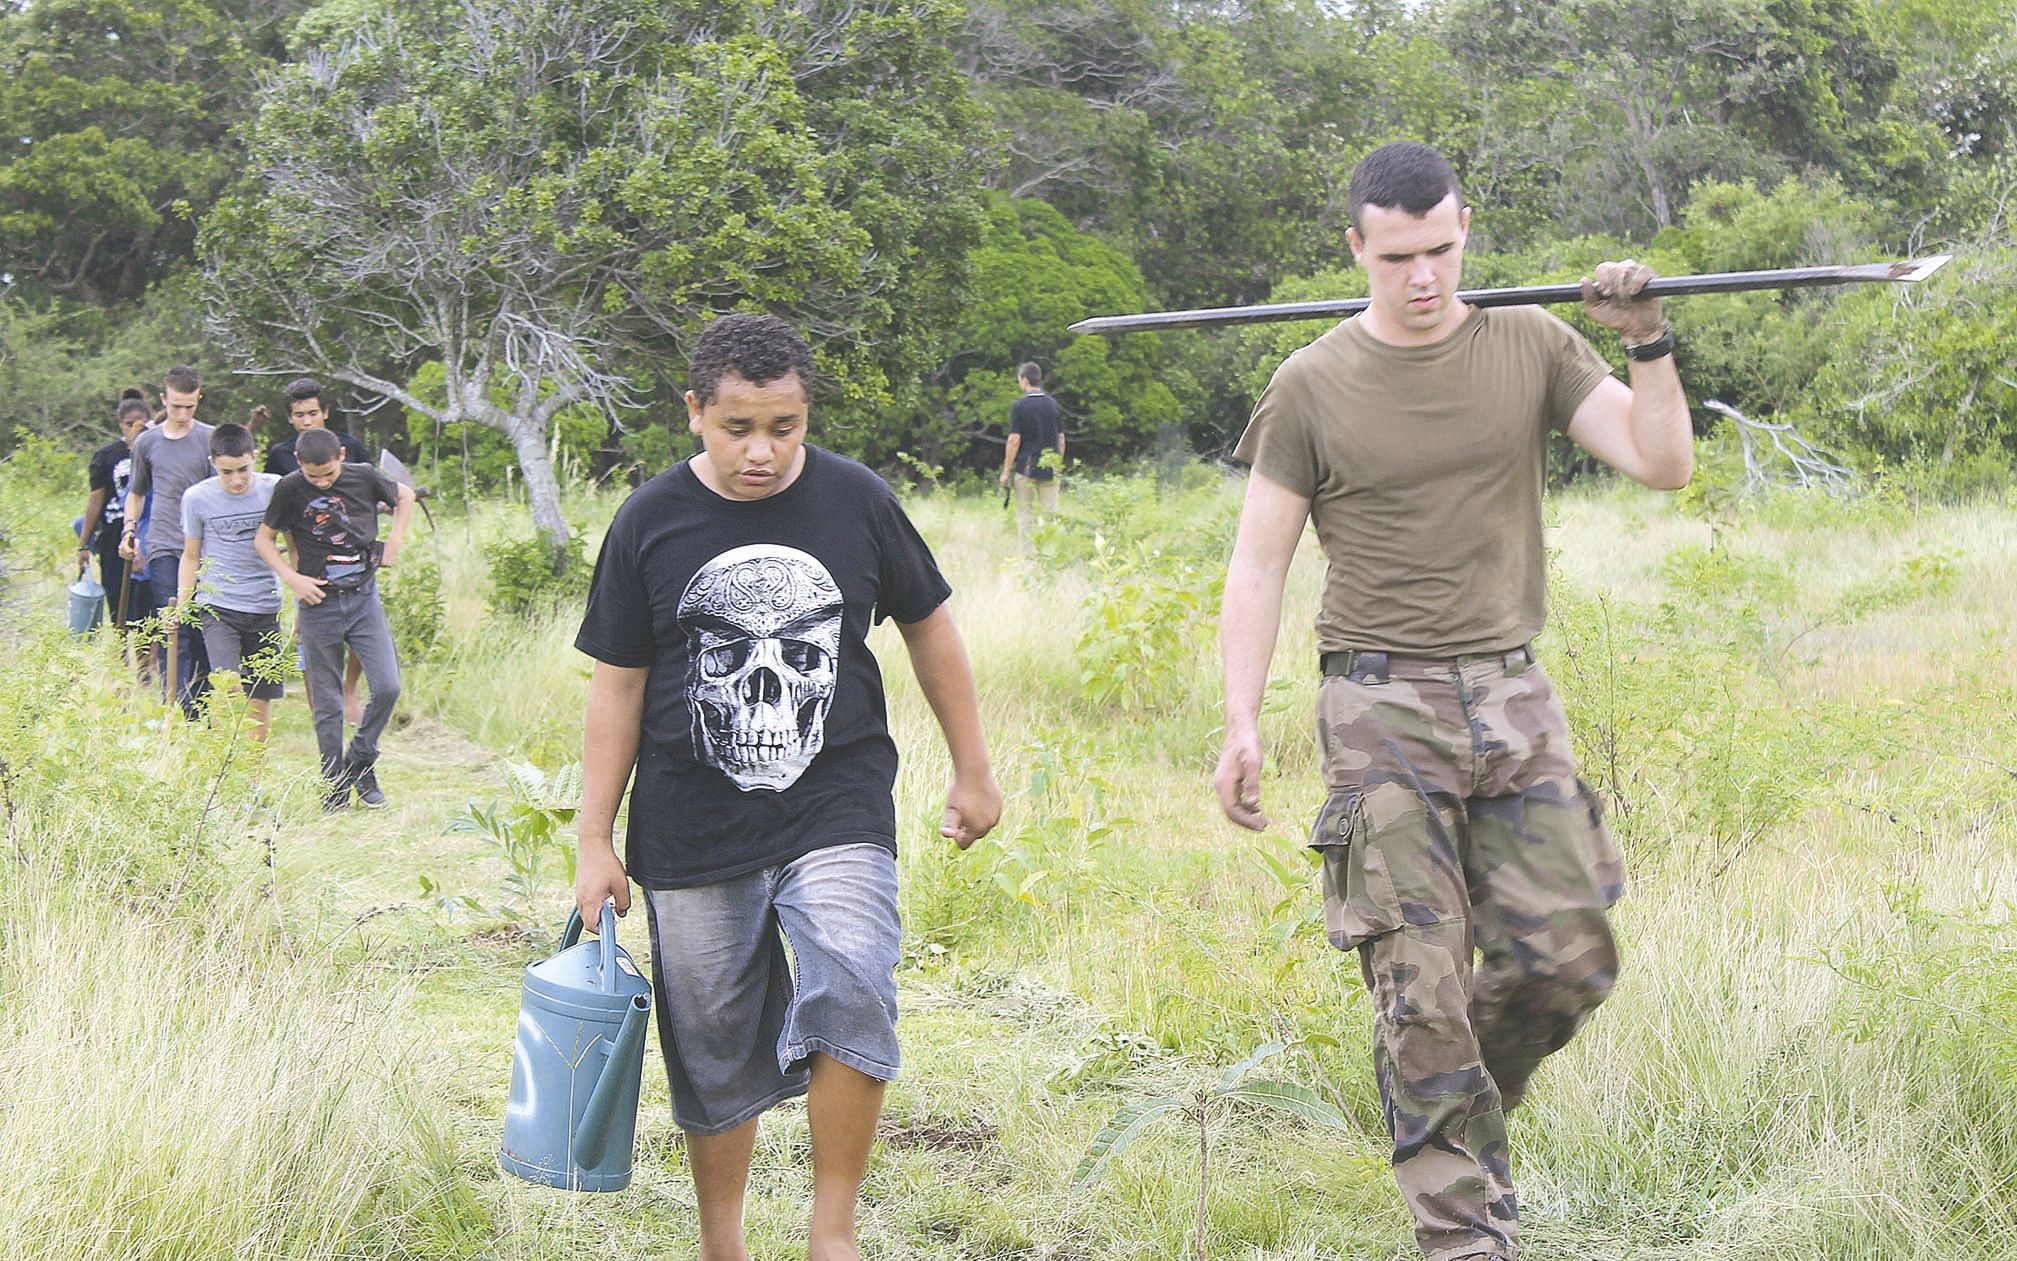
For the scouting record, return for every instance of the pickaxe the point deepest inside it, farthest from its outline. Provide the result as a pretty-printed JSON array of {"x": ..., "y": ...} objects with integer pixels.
[{"x": 390, "y": 465}]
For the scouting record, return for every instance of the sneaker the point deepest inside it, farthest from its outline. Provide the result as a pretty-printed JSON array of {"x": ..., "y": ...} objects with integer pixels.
[
  {"x": 368, "y": 790},
  {"x": 336, "y": 800}
]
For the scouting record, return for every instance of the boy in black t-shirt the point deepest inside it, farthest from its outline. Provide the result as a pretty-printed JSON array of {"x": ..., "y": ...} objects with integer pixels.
[
  {"x": 727, "y": 618},
  {"x": 308, "y": 408},
  {"x": 105, "y": 516},
  {"x": 330, "y": 512},
  {"x": 1036, "y": 429}
]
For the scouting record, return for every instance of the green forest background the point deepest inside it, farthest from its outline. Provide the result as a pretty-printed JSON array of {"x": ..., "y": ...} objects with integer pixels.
[{"x": 495, "y": 225}]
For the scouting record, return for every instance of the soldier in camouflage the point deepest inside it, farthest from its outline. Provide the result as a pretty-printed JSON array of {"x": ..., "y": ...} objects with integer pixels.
[{"x": 1464, "y": 860}]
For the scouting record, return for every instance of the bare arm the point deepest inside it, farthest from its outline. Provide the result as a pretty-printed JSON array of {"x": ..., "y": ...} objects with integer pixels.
[
  {"x": 1642, "y": 430},
  {"x": 609, "y": 743},
  {"x": 94, "y": 506},
  {"x": 402, "y": 516},
  {"x": 1250, "y": 616},
  {"x": 1008, "y": 457},
  {"x": 938, "y": 657},
  {"x": 185, "y": 576},
  {"x": 139, "y": 481}
]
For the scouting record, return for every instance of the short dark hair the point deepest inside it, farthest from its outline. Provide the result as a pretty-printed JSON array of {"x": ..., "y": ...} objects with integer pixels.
[
  {"x": 183, "y": 379},
  {"x": 128, "y": 406},
  {"x": 318, "y": 446},
  {"x": 301, "y": 389},
  {"x": 133, "y": 392},
  {"x": 1031, "y": 373},
  {"x": 757, "y": 348},
  {"x": 231, "y": 440},
  {"x": 1405, "y": 175}
]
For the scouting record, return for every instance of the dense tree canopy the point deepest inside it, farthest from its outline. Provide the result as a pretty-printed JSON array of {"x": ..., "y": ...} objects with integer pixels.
[
  {"x": 543, "y": 196},
  {"x": 550, "y": 228},
  {"x": 118, "y": 118}
]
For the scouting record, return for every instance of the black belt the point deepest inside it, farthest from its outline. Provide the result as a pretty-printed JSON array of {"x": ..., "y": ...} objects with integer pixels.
[{"x": 1361, "y": 663}]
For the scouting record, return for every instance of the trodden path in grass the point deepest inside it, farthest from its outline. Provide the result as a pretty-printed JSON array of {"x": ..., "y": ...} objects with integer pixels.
[{"x": 977, "y": 1141}]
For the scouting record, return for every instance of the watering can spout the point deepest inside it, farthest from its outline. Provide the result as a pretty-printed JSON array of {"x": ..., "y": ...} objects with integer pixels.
[{"x": 591, "y": 1135}]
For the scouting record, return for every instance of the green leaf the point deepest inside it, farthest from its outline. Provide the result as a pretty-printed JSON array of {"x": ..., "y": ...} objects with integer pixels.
[
  {"x": 1295, "y": 1100},
  {"x": 1119, "y": 1135},
  {"x": 1262, "y": 1054}
]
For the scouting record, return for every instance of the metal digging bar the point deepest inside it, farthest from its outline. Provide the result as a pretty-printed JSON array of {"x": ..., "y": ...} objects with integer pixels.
[{"x": 1910, "y": 271}]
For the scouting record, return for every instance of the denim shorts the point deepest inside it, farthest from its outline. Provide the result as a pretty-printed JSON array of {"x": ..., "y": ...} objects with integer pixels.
[{"x": 756, "y": 973}]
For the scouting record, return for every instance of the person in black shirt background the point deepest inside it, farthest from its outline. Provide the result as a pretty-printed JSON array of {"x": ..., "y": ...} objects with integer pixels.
[
  {"x": 329, "y": 512},
  {"x": 1035, "y": 430},
  {"x": 105, "y": 513},
  {"x": 728, "y": 618},
  {"x": 308, "y": 408}
]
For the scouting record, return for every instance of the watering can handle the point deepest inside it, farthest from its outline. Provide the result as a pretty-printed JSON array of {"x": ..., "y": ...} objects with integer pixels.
[{"x": 606, "y": 937}]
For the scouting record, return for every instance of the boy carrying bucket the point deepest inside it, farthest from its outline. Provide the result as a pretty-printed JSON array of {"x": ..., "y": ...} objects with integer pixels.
[{"x": 727, "y": 618}]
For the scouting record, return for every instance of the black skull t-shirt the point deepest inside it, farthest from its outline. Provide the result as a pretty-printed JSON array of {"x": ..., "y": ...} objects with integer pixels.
[{"x": 765, "y": 735}]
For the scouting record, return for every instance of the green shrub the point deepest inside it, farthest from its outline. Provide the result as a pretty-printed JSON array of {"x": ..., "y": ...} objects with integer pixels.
[
  {"x": 1142, "y": 624},
  {"x": 415, "y": 607},
  {"x": 524, "y": 578}
]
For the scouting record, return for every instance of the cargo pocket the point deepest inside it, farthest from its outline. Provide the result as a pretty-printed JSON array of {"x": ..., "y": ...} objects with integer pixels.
[
  {"x": 1359, "y": 897},
  {"x": 1601, "y": 856}
]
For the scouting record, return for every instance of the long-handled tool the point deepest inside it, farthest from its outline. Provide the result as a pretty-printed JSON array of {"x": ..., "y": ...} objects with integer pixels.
[
  {"x": 173, "y": 680},
  {"x": 1910, "y": 271},
  {"x": 125, "y": 599},
  {"x": 393, "y": 467}
]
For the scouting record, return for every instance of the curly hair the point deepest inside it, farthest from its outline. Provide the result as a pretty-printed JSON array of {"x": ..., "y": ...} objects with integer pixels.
[{"x": 757, "y": 348}]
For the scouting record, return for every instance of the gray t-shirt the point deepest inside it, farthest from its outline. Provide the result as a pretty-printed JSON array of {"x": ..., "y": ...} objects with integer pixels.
[
  {"x": 168, "y": 467},
  {"x": 231, "y": 575}
]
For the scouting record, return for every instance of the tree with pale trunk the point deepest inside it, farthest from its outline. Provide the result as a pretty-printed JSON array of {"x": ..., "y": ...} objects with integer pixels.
[{"x": 549, "y": 197}]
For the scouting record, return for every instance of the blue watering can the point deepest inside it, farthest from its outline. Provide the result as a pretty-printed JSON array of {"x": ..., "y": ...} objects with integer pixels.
[
  {"x": 572, "y": 1117},
  {"x": 85, "y": 604}
]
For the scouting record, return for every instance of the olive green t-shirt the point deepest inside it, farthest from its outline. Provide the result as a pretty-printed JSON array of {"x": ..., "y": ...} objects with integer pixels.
[{"x": 1424, "y": 467}]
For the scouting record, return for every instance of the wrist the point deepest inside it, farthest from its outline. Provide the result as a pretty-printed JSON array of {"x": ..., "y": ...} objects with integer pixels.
[
  {"x": 972, "y": 770},
  {"x": 1646, "y": 346}
]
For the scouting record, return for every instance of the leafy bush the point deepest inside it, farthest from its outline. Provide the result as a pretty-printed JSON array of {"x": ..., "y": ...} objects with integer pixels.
[
  {"x": 527, "y": 831},
  {"x": 1142, "y": 624},
  {"x": 523, "y": 576},
  {"x": 415, "y": 607}
]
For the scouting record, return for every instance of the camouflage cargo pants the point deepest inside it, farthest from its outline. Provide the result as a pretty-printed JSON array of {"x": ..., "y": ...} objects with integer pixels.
[{"x": 1456, "y": 825}]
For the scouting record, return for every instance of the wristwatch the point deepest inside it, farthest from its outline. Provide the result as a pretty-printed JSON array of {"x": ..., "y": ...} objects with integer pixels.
[{"x": 1659, "y": 348}]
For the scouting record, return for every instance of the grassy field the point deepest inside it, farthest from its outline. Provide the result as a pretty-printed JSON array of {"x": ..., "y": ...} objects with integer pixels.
[{"x": 231, "y": 1026}]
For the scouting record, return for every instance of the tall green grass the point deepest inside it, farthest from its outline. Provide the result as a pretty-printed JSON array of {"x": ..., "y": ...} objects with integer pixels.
[
  {"x": 181, "y": 1078},
  {"x": 1797, "y": 708}
]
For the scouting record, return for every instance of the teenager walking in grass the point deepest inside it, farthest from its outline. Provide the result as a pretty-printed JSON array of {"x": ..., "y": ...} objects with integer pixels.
[
  {"x": 223, "y": 586},
  {"x": 111, "y": 469},
  {"x": 1414, "y": 436},
  {"x": 329, "y": 511},
  {"x": 728, "y": 620},
  {"x": 308, "y": 408},
  {"x": 167, "y": 460}
]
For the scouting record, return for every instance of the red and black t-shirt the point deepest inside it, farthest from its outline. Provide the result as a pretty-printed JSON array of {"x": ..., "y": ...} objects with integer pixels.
[{"x": 334, "y": 532}]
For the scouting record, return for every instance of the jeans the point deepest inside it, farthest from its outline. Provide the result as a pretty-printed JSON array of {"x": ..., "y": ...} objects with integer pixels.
[
  {"x": 192, "y": 662},
  {"x": 356, "y": 620}
]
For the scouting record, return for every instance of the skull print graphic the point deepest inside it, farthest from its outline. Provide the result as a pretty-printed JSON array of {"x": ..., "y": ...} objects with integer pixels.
[{"x": 763, "y": 629}]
